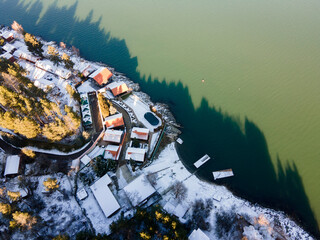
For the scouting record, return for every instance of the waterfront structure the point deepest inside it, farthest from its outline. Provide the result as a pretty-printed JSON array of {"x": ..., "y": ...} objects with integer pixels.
[
  {"x": 101, "y": 76},
  {"x": 117, "y": 88},
  {"x": 222, "y": 174}
]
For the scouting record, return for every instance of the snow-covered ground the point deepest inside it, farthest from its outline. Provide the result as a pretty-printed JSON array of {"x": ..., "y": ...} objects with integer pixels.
[
  {"x": 140, "y": 108},
  {"x": 57, "y": 212},
  {"x": 170, "y": 169}
]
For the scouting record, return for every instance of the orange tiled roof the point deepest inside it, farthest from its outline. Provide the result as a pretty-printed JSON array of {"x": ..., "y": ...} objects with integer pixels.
[
  {"x": 115, "y": 122},
  {"x": 141, "y": 133},
  {"x": 103, "y": 76},
  {"x": 119, "y": 89}
]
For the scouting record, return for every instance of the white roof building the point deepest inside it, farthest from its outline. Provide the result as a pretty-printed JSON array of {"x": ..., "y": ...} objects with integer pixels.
[
  {"x": 63, "y": 72},
  {"x": 112, "y": 152},
  {"x": 115, "y": 120},
  {"x": 6, "y": 55},
  {"x": 12, "y": 165},
  {"x": 82, "y": 194},
  {"x": 43, "y": 84},
  {"x": 84, "y": 67},
  {"x": 7, "y": 34},
  {"x": 85, "y": 159},
  {"x": 198, "y": 235},
  {"x": 136, "y": 154},
  {"x": 178, "y": 210},
  {"x": 104, "y": 196},
  {"x": 117, "y": 88},
  {"x": 8, "y": 47},
  {"x": 140, "y": 133},
  {"x": 111, "y": 135},
  {"x": 46, "y": 65},
  {"x": 139, "y": 190},
  {"x": 25, "y": 54}
]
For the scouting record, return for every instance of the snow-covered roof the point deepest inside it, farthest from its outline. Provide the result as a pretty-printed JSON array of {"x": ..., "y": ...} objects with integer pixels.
[
  {"x": 112, "y": 152},
  {"x": 97, "y": 151},
  {"x": 104, "y": 196},
  {"x": 19, "y": 44},
  {"x": 139, "y": 189},
  {"x": 63, "y": 72},
  {"x": 111, "y": 135},
  {"x": 117, "y": 87},
  {"x": 75, "y": 163},
  {"x": 12, "y": 165},
  {"x": 136, "y": 154},
  {"x": 46, "y": 65},
  {"x": 43, "y": 83},
  {"x": 85, "y": 159},
  {"x": 7, "y": 34},
  {"x": 140, "y": 133},
  {"x": 84, "y": 67},
  {"x": 222, "y": 174},
  {"x": 6, "y": 55},
  {"x": 178, "y": 210},
  {"x": 115, "y": 120},
  {"x": 82, "y": 194},
  {"x": 101, "y": 75},
  {"x": 25, "y": 54},
  {"x": 198, "y": 235},
  {"x": 8, "y": 47}
]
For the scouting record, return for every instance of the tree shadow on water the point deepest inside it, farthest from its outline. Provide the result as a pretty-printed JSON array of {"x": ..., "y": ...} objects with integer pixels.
[{"x": 240, "y": 146}]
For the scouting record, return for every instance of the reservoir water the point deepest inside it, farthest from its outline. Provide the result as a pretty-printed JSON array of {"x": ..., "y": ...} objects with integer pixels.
[{"x": 257, "y": 110}]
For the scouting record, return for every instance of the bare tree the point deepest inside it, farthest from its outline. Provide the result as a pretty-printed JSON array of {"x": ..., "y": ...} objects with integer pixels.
[
  {"x": 17, "y": 27},
  {"x": 180, "y": 191}
]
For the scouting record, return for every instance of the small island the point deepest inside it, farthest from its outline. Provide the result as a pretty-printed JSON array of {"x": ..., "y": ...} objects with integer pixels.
[{"x": 84, "y": 154}]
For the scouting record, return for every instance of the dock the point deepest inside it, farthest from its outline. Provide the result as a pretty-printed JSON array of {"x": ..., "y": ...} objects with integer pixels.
[
  {"x": 179, "y": 140},
  {"x": 202, "y": 161},
  {"x": 223, "y": 174}
]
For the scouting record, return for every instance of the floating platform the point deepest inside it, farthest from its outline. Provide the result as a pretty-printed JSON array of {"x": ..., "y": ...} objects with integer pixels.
[
  {"x": 179, "y": 140},
  {"x": 202, "y": 161},
  {"x": 223, "y": 174}
]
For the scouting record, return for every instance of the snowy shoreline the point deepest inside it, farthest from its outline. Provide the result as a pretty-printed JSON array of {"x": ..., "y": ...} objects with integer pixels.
[{"x": 172, "y": 168}]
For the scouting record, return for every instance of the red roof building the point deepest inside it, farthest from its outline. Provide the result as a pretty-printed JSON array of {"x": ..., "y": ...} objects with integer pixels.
[
  {"x": 114, "y": 121},
  {"x": 117, "y": 88},
  {"x": 101, "y": 76},
  {"x": 140, "y": 133}
]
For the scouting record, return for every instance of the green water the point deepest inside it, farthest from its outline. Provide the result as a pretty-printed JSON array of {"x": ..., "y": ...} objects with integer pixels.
[{"x": 260, "y": 61}]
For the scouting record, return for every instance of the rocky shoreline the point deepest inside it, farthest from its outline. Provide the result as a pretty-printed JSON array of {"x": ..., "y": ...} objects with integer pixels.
[{"x": 290, "y": 228}]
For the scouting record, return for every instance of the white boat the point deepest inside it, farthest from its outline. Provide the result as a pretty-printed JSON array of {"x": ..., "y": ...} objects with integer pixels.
[
  {"x": 222, "y": 174},
  {"x": 202, "y": 161}
]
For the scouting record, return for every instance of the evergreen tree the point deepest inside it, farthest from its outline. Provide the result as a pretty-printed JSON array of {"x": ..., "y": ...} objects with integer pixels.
[
  {"x": 22, "y": 220},
  {"x": 51, "y": 184},
  {"x": 14, "y": 196},
  {"x": 53, "y": 55},
  {"x": 33, "y": 44},
  {"x": 28, "y": 152},
  {"x": 27, "y": 127},
  {"x": 5, "y": 208}
]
